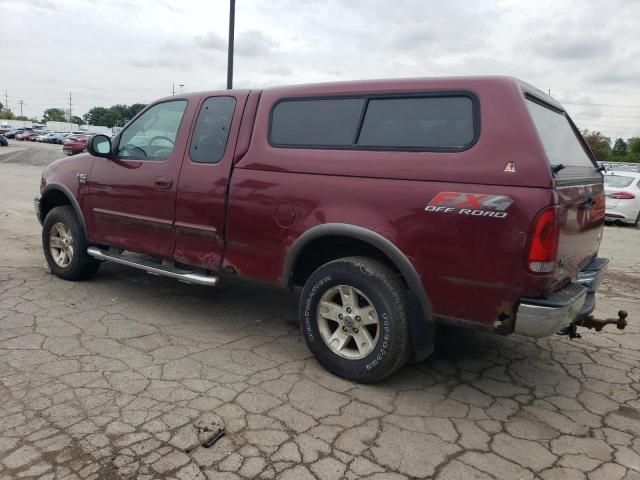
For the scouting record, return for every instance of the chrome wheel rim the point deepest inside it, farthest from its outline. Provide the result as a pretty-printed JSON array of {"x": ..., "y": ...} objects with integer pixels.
[
  {"x": 348, "y": 322},
  {"x": 61, "y": 244}
]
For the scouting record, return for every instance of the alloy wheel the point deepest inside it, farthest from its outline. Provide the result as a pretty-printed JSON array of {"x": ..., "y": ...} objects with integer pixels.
[{"x": 348, "y": 322}]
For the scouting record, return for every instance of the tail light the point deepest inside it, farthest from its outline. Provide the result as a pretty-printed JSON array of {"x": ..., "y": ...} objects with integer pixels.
[
  {"x": 622, "y": 195},
  {"x": 543, "y": 244}
]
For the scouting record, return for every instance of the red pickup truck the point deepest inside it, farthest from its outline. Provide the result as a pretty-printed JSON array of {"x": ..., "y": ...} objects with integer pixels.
[{"x": 395, "y": 205}]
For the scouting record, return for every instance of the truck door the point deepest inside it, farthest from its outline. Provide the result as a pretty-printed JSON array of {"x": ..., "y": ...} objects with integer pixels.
[
  {"x": 132, "y": 194},
  {"x": 202, "y": 187}
]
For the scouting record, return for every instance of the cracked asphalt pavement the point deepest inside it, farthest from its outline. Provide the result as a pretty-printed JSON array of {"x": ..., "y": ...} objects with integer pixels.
[{"x": 124, "y": 376}]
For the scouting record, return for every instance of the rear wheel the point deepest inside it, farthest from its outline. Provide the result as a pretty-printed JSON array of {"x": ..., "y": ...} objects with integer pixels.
[
  {"x": 65, "y": 246},
  {"x": 354, "y": 318},
  {"x": 637, "y": 223}
]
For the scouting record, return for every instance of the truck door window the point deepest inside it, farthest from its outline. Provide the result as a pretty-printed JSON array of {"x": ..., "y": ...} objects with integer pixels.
[
  {"x": 560, "y": 141},
  {"x": 212, "y": 130},
  {"x": 314, "y": 123},
  {"x": 445, "y": 122},
  {"x": 153, "y": 134}
]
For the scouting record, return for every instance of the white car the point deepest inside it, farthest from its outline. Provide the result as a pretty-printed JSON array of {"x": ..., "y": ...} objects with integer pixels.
[{"x": 622, "y": 202}]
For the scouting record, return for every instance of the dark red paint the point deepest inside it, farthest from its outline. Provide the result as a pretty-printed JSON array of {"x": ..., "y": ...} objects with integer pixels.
[{"x": 245, "y": 212}]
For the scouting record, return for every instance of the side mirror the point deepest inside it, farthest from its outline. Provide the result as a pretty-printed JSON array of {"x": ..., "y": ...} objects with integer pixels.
[{"x": 99, "y": 146}]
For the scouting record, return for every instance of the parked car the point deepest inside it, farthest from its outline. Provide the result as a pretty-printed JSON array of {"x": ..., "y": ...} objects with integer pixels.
[
  {"x": 622, "y": 190},
  {"x": 28, "y": 135},
  {"x": 395, "y": 205},
  {"x": 64, "y": 137},
  {"x": 12, "y": 133},
  {"x": 75, "y": 144},
  {"x": 58, "y": 137},
  {"x": 49, "y": 137},
  {"x": 3, "y": 141},
  {"x": 41, "y": 137}
]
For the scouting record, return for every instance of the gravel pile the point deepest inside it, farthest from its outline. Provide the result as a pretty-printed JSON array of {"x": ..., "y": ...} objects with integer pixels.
[{"x": 37, "y": 155}]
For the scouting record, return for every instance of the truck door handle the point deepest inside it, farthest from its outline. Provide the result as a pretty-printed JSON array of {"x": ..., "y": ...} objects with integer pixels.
[{"x": 163, "y": 182}]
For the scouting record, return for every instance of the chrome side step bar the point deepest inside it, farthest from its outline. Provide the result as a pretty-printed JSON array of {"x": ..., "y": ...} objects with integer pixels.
[{"x": 154, "y": 268}]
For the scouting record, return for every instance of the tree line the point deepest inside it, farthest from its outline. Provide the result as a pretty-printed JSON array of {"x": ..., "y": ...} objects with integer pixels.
[
  {"x": 114, "y": 116},
  {"x": 620, "y": 151}
]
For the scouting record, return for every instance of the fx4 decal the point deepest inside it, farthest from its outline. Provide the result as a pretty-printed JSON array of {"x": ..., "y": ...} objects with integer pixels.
[{"x": 474, "y": 204}]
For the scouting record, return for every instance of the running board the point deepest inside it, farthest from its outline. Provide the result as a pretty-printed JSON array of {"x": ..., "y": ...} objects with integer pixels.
[{"x": 154, "y": 268}]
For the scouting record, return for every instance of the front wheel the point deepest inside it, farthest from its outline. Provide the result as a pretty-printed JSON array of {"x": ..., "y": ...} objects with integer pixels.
[
  {"x": 354, "y": 319},
  {"x": 65, "y": 246}
]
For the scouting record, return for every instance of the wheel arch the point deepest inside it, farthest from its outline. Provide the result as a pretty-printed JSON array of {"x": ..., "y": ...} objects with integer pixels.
[
  {"x": 420, "y": 311},
  {"x": 56, "y": 195}
]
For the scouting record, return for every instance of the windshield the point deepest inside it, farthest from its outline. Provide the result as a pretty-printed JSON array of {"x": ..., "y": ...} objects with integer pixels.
[
  {"x": 559, "y": 139},
  {"x": 617, "y": 181},
  {"x": 153, "y": 134}
]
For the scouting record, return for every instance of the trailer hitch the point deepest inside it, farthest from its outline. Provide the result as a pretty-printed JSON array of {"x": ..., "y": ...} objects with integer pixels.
[{"x": 590, "y": 322}]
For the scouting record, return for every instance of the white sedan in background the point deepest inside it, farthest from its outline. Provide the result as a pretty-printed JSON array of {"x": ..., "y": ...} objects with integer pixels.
[{"x": 622, "y": 191}]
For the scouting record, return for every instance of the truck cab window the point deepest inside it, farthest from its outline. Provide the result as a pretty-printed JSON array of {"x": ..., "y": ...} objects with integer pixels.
[
  {"x": 212, "y": 130},
  {"x": 152, "y": 135}
]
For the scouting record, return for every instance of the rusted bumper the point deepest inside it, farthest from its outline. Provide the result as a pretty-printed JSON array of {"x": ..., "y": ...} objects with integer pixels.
[{"x": 542, "y": 317}]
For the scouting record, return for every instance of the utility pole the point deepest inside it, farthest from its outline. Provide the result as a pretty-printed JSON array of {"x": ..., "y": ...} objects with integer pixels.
[
  {"x": 21, "y": 103},
  {"x": 181, "y": 85},
  {"x": 6, "y": 99},
  {"x": 69, "y": 107},
  {"x": 173, "y": 89},
  {"x": 232, "y": 22}
]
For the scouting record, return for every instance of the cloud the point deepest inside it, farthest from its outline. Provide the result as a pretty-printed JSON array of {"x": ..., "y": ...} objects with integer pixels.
[
  {"x": 39, "y": 4},
  {"x": 211, "y": 41},
  {"x": 127, "y": 51},
  {"x": 279, "y": 70},
  {"x": 173, "y": 63},
  {"x": 254, "y": 43},
  {"x": 564, "y": 47}
]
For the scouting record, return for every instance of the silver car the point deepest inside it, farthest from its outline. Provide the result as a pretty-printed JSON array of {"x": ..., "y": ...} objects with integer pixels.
[{"x": 622, "y": 190}]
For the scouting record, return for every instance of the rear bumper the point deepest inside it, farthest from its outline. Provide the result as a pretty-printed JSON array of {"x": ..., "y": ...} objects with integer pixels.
[
  {"x": 541, "y": 317},
  {"x": 625, "y": 213}
]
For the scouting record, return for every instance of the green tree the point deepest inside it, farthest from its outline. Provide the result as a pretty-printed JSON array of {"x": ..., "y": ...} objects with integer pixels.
[
  {"x": 54, "y": 115},
  {"x": 634, "y": 145},
  {"x": 77, "y": 120},
  {"x": 118, "y": 114},
  {"x": 599, "y": 144},
  {"x": 115, "y": 115},
  {"x": 96, "y": 116},
  {"x": 5, "y": 113},
  {"x": 134, "y": 110},
  {"x": 620, "y": 148}
]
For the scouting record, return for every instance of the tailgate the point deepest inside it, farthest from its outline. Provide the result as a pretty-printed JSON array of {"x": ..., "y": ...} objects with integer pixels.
[
  {"x": 579, "y": 188},
  {"x": 581, "y": 219}
]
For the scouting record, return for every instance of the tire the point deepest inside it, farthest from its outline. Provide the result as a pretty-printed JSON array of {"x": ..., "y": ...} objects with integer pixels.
[
  {"x": 354, "y": 355},
  {"x": 61, "y": 230},
  {"x": 637, "y": 222}
]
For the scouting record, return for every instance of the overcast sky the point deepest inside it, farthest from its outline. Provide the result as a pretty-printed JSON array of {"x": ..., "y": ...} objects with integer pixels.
[{"x": 126, "y": 51}]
